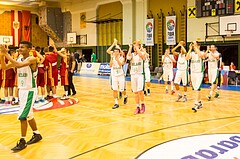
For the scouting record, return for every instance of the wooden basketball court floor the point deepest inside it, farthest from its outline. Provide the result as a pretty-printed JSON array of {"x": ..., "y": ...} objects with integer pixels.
[{"x": 91, "y": 129}]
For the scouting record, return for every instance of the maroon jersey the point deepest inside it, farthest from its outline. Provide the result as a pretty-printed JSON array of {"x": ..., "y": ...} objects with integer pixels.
[{"x": 52, "y": 72}]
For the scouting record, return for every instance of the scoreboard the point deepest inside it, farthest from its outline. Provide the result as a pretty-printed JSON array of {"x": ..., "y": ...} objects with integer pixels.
[{"x": 206, "y": 8}]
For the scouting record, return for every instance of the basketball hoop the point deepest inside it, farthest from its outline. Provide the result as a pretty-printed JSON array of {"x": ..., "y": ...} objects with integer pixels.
[
  {"x": 229, "y": 33},
  {"x": 6, "y": 40}
]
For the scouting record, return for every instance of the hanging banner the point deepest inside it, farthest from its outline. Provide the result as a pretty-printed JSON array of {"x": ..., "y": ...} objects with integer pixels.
[
  {"x": 149, "y": 39},
  {"x": 26, "y": 22},
  {"x": 83, "y": 20},
  {"x": 16, "y": 27},
  {"x": 171, "y": 30}
]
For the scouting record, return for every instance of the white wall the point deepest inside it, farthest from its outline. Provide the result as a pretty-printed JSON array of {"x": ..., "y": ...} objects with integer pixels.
[
  {"x": 141, "y": 16},
  {"x": 196, "y": 28},
  {"x": 91, "y": 13},
  {"x": 127, "y": 21},
  {"x": 90, "y": 29},
  {"x": 130, "y": 31}
]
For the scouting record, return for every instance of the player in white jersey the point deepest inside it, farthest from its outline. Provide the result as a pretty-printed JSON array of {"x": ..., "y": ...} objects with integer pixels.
[
  {"x": 182, "y": 70},
  {"x": 137, "y": 75},
  {"x": 213, "y": 56},
  {"x": 168, "y": 69},
  {"x": 117, "y": 73},
  {"x": 147, "y": 71},
  {"x": 26, "y": 70},
  {"x": 197, "y": 69}
]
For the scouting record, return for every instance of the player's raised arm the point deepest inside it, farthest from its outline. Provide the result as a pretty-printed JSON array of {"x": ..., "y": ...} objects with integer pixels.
[
  {"x": 196, "y": 48},
  {"x": 189, "y": 51},
  {"x": 109, "y": 50},
  {"x": 62, "y": 53},
  {"x": 175, "y": 48},
  {"x": 139, "y": 52},
  {"x": 129, "y": 54}
]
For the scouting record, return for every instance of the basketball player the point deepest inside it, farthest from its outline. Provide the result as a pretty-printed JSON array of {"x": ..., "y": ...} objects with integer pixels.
[
  {"x": 197, "y": 69},
  {"x": 146, "y": 71},
  {"x": 26, "y": 69},
  {"x": 137, "y": 75},
  {"x": 64, "y": 71},
  {"x": 15, "y": 100},
  {"x": 71, "y": 67},
  {"x": 213, "y": 57},
  {"x": 9, "y": 80},
  {"x": 182, "y": 70},
  {"x": 168, "y": 69},
  {"x": 50, "y": 64},
  {"x": 1, "y": 100},
  {"x": 41, "y": 74},
  {"x": 117, "y": 74},
  {"x": 220, "y": 67}
]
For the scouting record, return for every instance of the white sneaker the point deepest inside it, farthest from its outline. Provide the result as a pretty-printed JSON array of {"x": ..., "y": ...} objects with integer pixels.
[{"x": 64, "y": 97}]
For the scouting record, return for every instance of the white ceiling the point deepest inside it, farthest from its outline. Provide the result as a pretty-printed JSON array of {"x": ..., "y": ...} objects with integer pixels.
[{"x": 36, "y": 3}]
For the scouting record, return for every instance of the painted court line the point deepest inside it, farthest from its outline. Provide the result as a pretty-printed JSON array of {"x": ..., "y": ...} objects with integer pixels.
[{"x": 210, "y": 130}]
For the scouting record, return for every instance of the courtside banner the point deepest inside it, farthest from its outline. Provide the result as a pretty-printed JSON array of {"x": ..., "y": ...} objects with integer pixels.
[
  {"x": 90, "y": 68},
  {"x": 149, "y": 37},
  {"x": 171, "y": 30},
  {"x": 212, "y": 146},
  {"x": 104, "y": 69},
  {"x": 125, "y": 68}
]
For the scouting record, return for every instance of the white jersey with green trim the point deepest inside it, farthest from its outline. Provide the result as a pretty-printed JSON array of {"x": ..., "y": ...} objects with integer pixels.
[
  {"x": 146, "y": 62},
  {"x": 116, "y": 69},
  {"x": 212, "y": 61},
  {"x": 196, "y": 62},
  {"x": 137, "y": 66},
  {"x": 182, "y": 63},
  {"x": 26, "y": 77},
  {"x": 167, "y": 63}
]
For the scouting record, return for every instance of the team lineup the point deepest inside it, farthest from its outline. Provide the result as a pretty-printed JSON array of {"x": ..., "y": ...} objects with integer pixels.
[
  {"x": 35, "y": 70},
  {"x": 140, "y": 72}
]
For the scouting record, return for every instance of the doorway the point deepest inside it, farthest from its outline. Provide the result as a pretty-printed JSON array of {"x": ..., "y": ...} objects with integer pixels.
[
  {"x": 229, "y": 53},
  {"x": 87, "y": 53}
]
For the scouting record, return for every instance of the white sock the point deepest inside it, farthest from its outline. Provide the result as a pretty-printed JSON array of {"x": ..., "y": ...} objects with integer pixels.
[
  {"x": 185, "y": 93},
  {"x": 211, "y": 93},
  {"x": 23, "y": 138},
  {"x": 16, "y": 99},
  {"x": 66, "y": 93},
  {"x": 116, "y": 100},
  {"x": 179, "y": 92},
  {"x": 36, "y": 132}
]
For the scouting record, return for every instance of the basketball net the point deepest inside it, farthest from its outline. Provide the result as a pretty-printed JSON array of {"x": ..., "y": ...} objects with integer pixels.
[
  {"x": 7, "y": 44},
  {"x": 229, "y": 33}
]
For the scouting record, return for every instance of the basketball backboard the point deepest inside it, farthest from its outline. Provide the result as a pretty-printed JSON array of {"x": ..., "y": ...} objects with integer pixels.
[
  {"x": 6, "y": 40},
  {"x": 229, "y": 25},
  {"x": 71, "y": 38}
]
